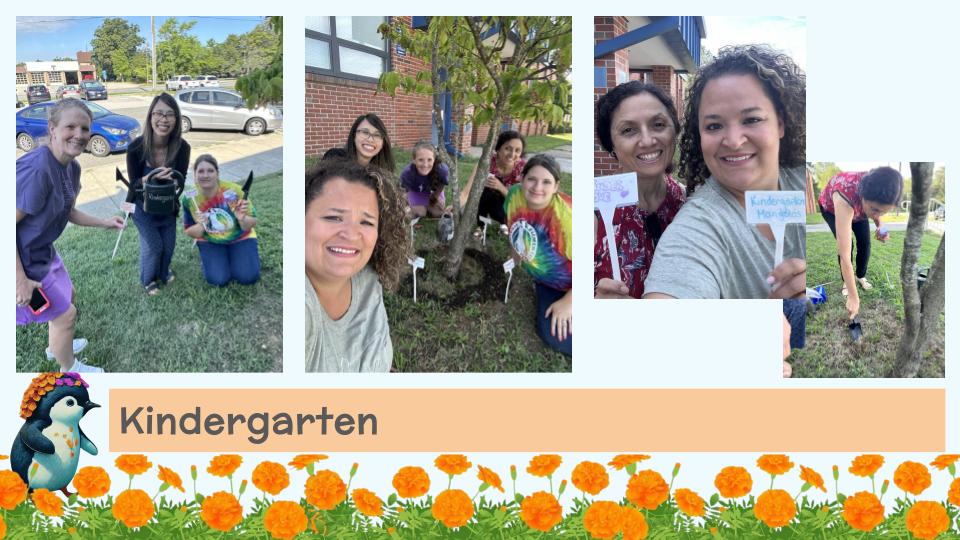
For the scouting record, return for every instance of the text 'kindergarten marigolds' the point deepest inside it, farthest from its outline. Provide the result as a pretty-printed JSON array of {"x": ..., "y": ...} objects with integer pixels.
[{"x": 259, "y": 425}]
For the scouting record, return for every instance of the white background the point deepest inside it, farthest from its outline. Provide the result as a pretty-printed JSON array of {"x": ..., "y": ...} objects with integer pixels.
[{"x": 881, "y": 87}]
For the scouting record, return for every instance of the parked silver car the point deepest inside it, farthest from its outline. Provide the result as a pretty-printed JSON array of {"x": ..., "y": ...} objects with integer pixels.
[{"x": 225, "y": 109}]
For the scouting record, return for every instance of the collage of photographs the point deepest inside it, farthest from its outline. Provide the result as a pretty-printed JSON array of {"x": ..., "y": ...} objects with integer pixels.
[{"x": 439, "y": 213}]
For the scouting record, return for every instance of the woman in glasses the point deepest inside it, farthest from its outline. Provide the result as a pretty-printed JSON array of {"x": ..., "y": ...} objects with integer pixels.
[
  {"x": 159, "y": 152},
  {"x": 637, "y": 123},
  {"x": 369, "y": 144}
]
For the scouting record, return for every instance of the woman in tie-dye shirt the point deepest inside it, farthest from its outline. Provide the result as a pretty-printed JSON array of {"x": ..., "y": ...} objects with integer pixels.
[
  {"x": 219, "y": 216},
  {"x": 540, "y": 222}
]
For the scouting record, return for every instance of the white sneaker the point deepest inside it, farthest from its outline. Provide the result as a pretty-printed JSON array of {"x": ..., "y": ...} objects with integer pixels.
[
  {"x": 79, "y": 345},
  {"x": 80, "y": 367}
]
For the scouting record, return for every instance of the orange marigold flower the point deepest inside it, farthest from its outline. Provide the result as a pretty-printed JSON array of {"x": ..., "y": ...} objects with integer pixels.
[
  {"x": 603, "y": 519},
  {"x": 866, "y": 465},
  {"x": 411, "y": 482},
  {"x": 689, "y": 502},
  {"x": 774, "y": 463},
  {"x": 325, "y": 490},
  {"x": 367, "y": 502},
  {"x": 170, "y": 477},
  {"x": 47, "y": 502},
  {"x": 452, "y": 463},
  {"x": 133, "y": 508},
  {"x": 91, "y": 482},
  {"x": 301, "y": 461},
  {"x": 3, "y": 457},
  {"x": 912, "y": 477},
  {"x": 544, "y": 465},
  {"x": 927, "y": 519},
  {"x": 133, "y": 464},
  {"x": 590, "y": 477},
  {"x": 733, "y": 482},
  {"x": 13, "y": 490},
  {"x": 945, "y": 460},
  {"x": 863, "y": 511},
  {"x": 954, "y": 494},
  {"x": 541, "y": 511},
  {"x": 221, "y": 511},
  {"x": 487, "y": 476},
  {"x": 620, "y": 461},
  {"x": 270, "y": 477},
  {"x": 634, "y": 524},
  {"x": 812, "y": 477},
  {"x": 224, "y": 465},
  {"x": 285, "y": 520},
  {"x": 647, "y": 489},
  {"x": 453, "y": 508},
  {"x": 775, "y": 507}
]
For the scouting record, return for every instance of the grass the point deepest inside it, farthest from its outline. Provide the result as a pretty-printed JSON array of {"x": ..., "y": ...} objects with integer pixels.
[
  {"x": 482, "y": 335},
  {"x": 190, "y": 326},
  {"x": 893, "y": 217},
  {"x": 541, "y": 143},
  {"x": 829, "y": 351}
]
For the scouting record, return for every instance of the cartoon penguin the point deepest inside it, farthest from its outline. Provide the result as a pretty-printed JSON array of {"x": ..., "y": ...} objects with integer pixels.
[{"x": 47, "y": 450}]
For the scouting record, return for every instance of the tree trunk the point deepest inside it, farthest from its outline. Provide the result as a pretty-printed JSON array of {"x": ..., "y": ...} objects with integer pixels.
[{"x": 921, "y": 308}]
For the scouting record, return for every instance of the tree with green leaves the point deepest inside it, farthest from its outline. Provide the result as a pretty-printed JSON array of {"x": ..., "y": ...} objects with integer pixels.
[
  {"x": 265, "y": 85},
  {"x": 178, "y": 52},
  {"x": 114, "y": 38},
  {"x": 922, "y": 306},
  {"x": 494, "y": 68}
]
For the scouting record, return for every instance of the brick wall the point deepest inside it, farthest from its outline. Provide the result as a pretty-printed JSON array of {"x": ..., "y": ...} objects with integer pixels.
[
  {"x": 332, "y": 104},
  {"x": 606, "y": 28}
]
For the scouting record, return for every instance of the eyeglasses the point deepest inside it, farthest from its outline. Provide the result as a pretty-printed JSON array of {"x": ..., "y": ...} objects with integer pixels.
[
  {"x": 651, "y": 223},
  {"x": 372, "y": 135},
  {"x": 157, "y": 115}
]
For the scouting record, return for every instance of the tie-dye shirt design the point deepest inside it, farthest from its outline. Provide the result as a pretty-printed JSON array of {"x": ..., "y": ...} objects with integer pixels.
[
  {"x": 216, "y": 213},
  {"x": 542, "y": 238}
]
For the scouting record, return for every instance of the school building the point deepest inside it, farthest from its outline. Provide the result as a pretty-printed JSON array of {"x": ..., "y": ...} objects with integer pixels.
[
  {"x": 345, "y": 57},
  {"x": 54, "y": 74}
]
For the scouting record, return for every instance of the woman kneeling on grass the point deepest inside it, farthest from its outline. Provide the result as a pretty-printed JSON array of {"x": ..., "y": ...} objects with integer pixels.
[
  {"x": 540, "y": 223},
  {"x": 218, "y": 214},
  {"x": 356, "y": 244},
  {"x": 48, "y": 182}
]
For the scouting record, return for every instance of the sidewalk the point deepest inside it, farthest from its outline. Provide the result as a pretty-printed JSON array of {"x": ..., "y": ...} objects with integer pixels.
[
  {"x": 101, "y": 195},
  {"x": 932, "y": 225},
  {"x": 563, "y": 155}
]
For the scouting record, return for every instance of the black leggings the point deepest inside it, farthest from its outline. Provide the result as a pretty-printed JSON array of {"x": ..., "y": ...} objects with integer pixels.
[
  {"x": 491, "y": 204},
  {"x": 861, "y": 233}
]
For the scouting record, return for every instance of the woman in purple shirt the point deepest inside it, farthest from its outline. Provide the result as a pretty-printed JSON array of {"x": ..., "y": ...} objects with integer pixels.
[{"x": 48, "y": 181}]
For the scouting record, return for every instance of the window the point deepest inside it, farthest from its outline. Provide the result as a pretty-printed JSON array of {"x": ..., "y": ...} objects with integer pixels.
[
  {"x": 55, "y": 76},
  {"x": 201, "y": 98},
  {"x": 37, "y": 113},
  {"x": 223, "y": 99},
  {"x": 36, "y": 78},
  {"x": 21, "y": 78},
  {"x": 348, "y": 47},
  {"x": 185, "y": 97}
]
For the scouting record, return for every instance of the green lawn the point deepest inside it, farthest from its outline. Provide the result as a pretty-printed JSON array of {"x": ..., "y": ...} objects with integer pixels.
[
  {"x": 483, "y": 334},
  {"x": 829, "y": 351},
  {"x": 188, "y": 327},
  {"x": 542, "y": 143}
]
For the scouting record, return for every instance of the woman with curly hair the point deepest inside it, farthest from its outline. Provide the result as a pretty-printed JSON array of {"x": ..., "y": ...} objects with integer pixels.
[
  {"x": 744, "y": 130},
  {"x": 356, "y": 244},
  {"x": 637, "y": 123}
]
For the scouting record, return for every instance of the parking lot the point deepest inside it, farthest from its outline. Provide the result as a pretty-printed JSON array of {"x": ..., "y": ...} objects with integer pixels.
[{"x": 134, "y": 104}]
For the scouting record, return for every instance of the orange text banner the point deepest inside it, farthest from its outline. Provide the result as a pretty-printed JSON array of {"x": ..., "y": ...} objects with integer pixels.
[{"x": 527, "y": 420}]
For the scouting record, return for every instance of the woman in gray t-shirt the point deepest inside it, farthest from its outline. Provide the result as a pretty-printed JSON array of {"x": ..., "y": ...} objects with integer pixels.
[{"x": 356, "y": 243}]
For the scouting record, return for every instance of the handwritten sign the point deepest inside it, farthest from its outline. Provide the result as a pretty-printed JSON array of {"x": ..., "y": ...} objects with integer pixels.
[
  {"x": 776, "y": 209},
  {"x": 416, "y": 263},
  {"x": 128, "y": 207},
  {"x": 609, "y": 193},
  {"x": 487, "y": 220},
  {"x": 508, "y": 268}
]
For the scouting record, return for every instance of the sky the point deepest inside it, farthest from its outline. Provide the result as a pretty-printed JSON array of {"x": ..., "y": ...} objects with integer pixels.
[
  {"x": 47, "y": 37},
  {"x": 788, "y": 34}
]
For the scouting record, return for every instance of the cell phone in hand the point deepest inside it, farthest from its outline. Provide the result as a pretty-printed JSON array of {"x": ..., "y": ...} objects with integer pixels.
[{"x": 39, "y": 301}]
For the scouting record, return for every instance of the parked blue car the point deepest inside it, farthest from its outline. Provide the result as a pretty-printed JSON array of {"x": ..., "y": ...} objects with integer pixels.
[{"x": 110, "y": 132}]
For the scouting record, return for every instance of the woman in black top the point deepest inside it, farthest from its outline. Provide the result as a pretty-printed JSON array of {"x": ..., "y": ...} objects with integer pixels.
[{"x": 159, "y": 149}]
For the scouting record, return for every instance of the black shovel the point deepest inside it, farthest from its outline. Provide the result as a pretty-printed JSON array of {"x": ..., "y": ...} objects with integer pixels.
[{"x": 856, "y": 331}]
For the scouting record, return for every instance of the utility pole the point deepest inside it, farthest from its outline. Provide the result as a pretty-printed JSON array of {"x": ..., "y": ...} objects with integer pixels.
[{"x": 153, "y": 53}]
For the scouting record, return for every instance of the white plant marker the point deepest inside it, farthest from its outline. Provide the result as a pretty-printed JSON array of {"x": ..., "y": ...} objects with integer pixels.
[
  {"x": 508, "y": 268},
  {"x": 776, "y": 209},
  {"x": 487, "y": 220},
  {"x": 412, "y": 223},
  {"x": 128, "y": 208},
  {"x": 415, "y": 263},
  {"x": 609, "y": 193}
]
